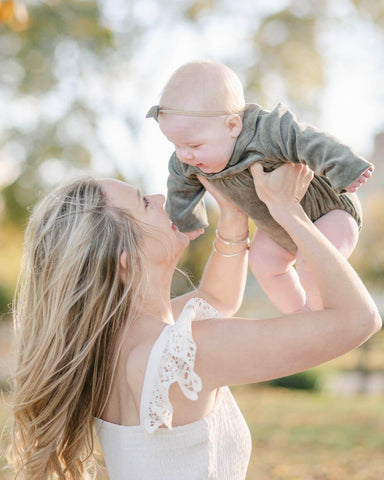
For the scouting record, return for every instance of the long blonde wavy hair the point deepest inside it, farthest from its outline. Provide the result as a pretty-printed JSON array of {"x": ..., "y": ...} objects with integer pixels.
[{"x": 70, "y": 311}]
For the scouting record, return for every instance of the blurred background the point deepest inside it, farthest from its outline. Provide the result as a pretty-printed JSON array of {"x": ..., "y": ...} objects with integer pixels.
[{"x": 76, "y": 79}]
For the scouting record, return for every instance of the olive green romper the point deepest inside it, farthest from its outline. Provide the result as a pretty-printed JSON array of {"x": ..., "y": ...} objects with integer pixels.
[{"x": 272, "y": 138}]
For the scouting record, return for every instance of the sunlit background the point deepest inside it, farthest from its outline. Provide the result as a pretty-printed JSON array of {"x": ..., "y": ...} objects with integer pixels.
[{"x": 76, "y": 79}]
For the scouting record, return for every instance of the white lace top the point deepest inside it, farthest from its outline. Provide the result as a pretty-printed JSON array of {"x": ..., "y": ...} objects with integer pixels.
[{"x": 216, "y": 447}]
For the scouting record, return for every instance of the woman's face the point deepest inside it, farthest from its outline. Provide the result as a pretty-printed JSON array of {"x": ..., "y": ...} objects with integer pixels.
[{"x": 149, "y": 210}]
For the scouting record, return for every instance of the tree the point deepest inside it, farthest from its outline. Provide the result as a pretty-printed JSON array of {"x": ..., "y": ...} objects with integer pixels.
[{"x": 63, "y": 65}]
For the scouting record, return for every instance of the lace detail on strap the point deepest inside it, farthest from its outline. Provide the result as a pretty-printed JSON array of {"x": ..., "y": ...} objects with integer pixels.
[
  {"x": 201, "y": 308},
  {"x": 176, "y": 365}
]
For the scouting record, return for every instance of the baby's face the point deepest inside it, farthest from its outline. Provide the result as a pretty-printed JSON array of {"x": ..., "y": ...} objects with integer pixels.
[{"x": 204, "y": 142}]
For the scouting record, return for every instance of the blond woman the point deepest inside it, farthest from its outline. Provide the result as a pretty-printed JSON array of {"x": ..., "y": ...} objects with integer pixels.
[{"x": 101, "y": 344}]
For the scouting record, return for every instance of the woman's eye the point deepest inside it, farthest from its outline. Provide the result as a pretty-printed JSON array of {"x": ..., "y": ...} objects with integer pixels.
[{"x": 146, "y": 202}]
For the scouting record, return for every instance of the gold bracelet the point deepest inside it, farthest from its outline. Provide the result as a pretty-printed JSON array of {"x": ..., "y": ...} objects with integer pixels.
[
  {"x": 228, "y": 255},
  {"x": 231, "y": 243}
]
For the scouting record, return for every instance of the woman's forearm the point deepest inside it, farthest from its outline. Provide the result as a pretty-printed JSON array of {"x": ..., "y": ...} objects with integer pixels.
[
  {"x": 339, "y": 285},
  {"x": 224, "y": 277}
]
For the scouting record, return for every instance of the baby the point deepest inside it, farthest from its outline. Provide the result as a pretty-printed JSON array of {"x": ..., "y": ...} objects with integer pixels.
[{"x": 218, "y": 136}]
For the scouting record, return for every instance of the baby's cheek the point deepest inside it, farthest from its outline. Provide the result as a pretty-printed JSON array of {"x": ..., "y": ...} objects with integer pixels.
[{"x": 221, "y": 163}]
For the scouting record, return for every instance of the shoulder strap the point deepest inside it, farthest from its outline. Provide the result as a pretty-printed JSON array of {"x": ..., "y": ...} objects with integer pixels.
[{"x": 172, "y": 359}]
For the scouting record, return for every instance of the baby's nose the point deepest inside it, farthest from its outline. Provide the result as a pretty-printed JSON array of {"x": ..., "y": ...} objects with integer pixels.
[{"x": 187, "y": 155}]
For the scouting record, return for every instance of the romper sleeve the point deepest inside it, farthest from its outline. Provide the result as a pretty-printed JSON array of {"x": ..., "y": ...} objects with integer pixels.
[
  {"x": 172, "y": 363},
  {"x": 185, "y": 203},
  {"x": 281, "y": 136}
]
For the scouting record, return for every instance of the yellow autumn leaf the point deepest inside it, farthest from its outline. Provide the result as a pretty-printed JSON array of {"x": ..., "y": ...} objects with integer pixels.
[
  {"x": 7, "y": 11},
  {"x": 15, "y": 14}
]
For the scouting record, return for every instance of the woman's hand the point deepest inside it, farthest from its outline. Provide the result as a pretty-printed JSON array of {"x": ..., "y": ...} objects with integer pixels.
[{"x": 284, "y": 187}]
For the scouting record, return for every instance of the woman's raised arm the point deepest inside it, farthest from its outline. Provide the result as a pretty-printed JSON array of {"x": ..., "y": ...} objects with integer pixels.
[
  {"x": 237, "y": 351},
  {"x": 223, "y": 281}
]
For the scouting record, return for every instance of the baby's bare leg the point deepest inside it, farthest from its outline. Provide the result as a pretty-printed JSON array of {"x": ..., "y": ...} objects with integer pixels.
[
  {"x": 341, "y": 229},
  {"x": 272, "y": 266}
]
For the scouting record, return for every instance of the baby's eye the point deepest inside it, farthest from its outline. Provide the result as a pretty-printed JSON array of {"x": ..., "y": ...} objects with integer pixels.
[
  {"x": 196, "y": 146},
  {"x": 146, "y": 202}
]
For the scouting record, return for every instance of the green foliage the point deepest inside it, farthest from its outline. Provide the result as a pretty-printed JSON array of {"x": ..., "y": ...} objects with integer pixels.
[
  {"x": 285, "y": 47},
  {"x": 74, "y": 21},
  {"x": 369, "y": 256},
  {"x": 47, "y": 69},
  {"x": 198, "y": 8},
  {"x": 308, "y": 380},
  {"x": 371, "y": 9},
  {"x": 46, "y": 65},
  {"x": 5, "y": 300}
]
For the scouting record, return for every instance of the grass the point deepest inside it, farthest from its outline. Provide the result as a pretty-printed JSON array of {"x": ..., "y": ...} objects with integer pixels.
[
  {"x": 303, "y": 436},
  {"x": 299, "y": 435}
]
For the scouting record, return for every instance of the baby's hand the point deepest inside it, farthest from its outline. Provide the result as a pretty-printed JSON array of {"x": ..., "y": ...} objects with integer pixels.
[
  {"x": 354, "y": 186},
  {"x": 194, "y": 233}
]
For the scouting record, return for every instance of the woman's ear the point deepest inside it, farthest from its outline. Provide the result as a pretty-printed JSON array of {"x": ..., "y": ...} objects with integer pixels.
[
  {"x": 123, "y": 265},
  {"x": 234, "y": 124},
  {"x": 124, "y": 261}
]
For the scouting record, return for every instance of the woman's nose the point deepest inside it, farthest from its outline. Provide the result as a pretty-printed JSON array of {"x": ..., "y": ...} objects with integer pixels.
[{"x": 159, "y": 199}]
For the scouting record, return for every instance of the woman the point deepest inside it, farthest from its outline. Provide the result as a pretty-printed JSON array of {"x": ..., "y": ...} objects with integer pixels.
[{"x": 99, "y": 337}]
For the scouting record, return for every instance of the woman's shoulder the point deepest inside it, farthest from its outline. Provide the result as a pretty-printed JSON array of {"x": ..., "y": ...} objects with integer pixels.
[
  {"x": 156, "y": 364},
  {"x": 139, "y": 351},
  {"x": 153, "y": 349}
]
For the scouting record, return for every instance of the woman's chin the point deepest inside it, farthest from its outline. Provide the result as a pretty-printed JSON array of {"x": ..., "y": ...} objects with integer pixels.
[
  {"x": 185, "y": 239},
  {"x": 180, "y": 234}
]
